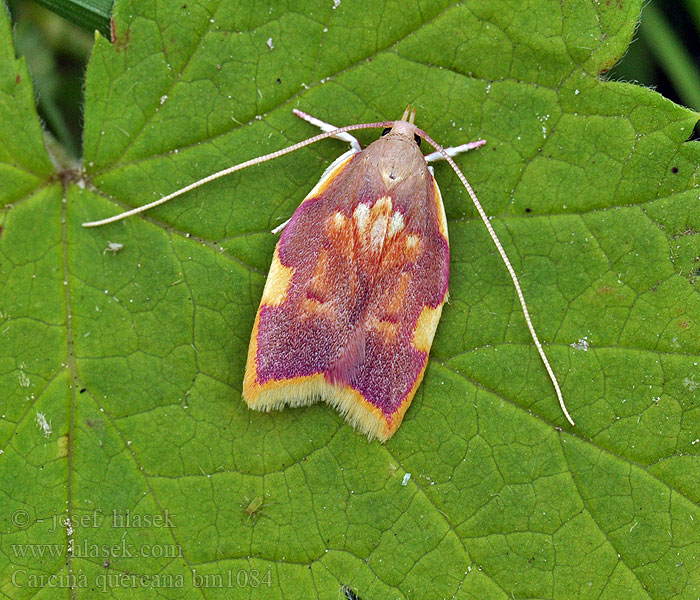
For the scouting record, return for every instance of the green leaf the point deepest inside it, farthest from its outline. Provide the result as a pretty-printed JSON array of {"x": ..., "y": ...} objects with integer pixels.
[{"x": 122, "y": 348}]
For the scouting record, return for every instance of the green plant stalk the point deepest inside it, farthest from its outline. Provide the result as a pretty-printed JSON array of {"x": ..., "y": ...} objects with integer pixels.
[
  {"x": 672, "y": 57},
  {"x": 88, "y": 14},
  {"x": 56, "y": 119}
]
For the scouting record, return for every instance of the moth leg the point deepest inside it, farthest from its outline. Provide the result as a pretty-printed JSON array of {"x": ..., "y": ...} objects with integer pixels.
[
  {"x": 454, "y": 151},
  {"x": 326, "y": 127},
  {"x": 281, "y": 226}
]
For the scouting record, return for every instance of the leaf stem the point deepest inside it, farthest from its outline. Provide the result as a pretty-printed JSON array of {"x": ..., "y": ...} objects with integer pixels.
[{"x": 88, "y": 14}]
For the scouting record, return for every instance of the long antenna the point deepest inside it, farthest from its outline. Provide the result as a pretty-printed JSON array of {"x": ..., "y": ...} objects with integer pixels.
[
  {"x": 238, "y": 167},
  {"x": 504, "y": 256}
]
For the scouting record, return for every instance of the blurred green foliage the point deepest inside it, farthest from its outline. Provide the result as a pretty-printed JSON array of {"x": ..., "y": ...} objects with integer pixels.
[
  {"x": 666, "y": 52},
  {"x": 57, "y": 51}
]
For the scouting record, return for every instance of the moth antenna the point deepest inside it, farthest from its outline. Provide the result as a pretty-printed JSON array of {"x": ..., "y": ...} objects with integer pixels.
[
  {"x": 238, "y": 167},
  {"x": 504, "y": 257}
]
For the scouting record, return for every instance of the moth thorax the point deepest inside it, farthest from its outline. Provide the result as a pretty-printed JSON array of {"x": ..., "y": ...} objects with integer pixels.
[{"x": 397, "y": 160}]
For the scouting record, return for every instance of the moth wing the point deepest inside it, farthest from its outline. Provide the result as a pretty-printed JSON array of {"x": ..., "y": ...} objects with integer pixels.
[
  {"x": 402, "y": 312},
  {"x": 295, "y": 335},
  {"x": 351, "y": 304}
]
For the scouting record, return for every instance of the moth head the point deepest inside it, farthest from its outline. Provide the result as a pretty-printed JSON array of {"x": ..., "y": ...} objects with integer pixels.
[
  {"x": 399, "y": 156},
  {"x": 404, "y": 128}
]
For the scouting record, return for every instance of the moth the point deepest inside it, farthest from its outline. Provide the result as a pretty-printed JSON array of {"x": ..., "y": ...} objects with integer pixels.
[{"x": 358, "y": 280}]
